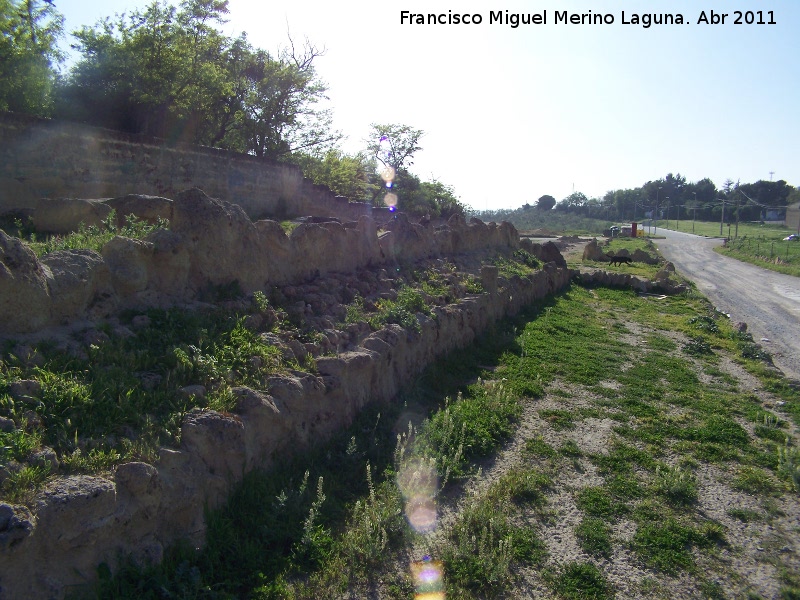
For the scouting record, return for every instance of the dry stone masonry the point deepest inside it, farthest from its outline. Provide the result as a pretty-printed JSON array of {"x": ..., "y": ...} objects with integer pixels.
[{"x": 78, "y": 522}]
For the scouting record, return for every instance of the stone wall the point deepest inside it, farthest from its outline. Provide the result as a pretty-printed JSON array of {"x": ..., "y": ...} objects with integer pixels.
[
  {"x": 42, "y": 159},
  {"x": 80, "y": 521},
  {"x": 211, "y": 242}
]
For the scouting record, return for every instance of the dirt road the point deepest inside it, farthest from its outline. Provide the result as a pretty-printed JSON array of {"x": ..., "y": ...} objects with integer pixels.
[{"x": 768, "y": 302}]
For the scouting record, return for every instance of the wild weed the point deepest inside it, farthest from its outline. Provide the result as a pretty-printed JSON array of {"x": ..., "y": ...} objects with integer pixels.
[
  {"x": 677, "y": 485},
  {"x": 789, "y": 465}
]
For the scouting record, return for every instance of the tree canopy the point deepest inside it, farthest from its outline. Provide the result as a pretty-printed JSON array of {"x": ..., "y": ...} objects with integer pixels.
[
  {"x": 167, "y": 71},
  {"x": 546, "y": 202},
  {"x": 29, "y": 32}
]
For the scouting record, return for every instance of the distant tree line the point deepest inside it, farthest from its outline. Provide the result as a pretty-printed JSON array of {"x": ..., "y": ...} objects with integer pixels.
[
  {"x": 168, "y": 71},
  {"x": 672, "y": 197}
]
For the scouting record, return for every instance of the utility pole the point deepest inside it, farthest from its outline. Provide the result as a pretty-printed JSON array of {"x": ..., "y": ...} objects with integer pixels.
[
  {"x": 655, "y": 228},
  {"x": 722, "y": 218},
  {"x": 695, "y": 210}
]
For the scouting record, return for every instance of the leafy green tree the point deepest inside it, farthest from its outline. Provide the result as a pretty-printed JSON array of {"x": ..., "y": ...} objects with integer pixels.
[
  {"x": 169, "y": 72},
  {"x": 343, "y": 174},
  {"x": 29, "y": 32},
  {"x": 279, "y": 108},
  {"x": 545, "y": 202},
  {"x": 573, "y": 203},
  {"x": 157, "y": 71},
  {"x": 394, "y": 145}
]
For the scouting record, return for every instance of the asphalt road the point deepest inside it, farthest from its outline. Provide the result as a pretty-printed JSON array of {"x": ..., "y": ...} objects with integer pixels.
[{"x": 768, "y": 302}]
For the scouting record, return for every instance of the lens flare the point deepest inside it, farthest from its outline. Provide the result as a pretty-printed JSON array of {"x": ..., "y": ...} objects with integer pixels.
[
  {"x": 418, "y": 481},
  {"x": 390, "y": 200},
  {"x": 428, "y": 577},
  {"x": 388, "y": 174}
]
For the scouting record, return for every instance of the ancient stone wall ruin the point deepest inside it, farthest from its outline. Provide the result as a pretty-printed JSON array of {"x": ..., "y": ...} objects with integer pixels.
[
  {"x": 210, "y": 242},
  {"x": 77, "y": 522}
]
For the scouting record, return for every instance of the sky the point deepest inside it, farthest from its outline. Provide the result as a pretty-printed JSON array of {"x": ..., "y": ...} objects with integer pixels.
[{"x": 511, "y": 114}]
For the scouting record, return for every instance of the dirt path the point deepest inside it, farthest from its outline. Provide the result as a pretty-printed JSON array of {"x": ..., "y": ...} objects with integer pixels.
[{"x": 767, "y": 301}]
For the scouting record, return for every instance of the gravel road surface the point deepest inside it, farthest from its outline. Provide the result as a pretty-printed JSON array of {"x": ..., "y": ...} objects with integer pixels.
[{"x": 767, "y": 301}]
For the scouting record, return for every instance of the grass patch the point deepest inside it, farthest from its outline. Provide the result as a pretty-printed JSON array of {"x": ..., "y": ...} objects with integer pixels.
[
  {"x": 118, "y": 399},
  {"x": 94, "y": 237},
  {"x": 594, "y": 537},
  {"x": 472, "y": 426},
  {"x": 538, "y": 447},
  {"x": 746, "y": 515},
  {"x": 581, "y": 581},
  {"x": 665, "y": 545},
  {"x": 754, "y": 481},
  {"x": 558, "y": 419},
  {"x": 482, "y": 547}
]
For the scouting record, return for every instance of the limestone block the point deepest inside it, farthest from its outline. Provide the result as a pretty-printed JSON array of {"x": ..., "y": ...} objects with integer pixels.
[
  {"x": 218, "y": 441},
  {"x": 80, "y": 283},
  {"x": 25, "y": 302}
]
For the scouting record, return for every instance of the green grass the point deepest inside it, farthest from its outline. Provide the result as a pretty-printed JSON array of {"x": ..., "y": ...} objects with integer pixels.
[
  {"x": 711, "y": 229},
  {"x": 93, "y": 237},
  {"x": 639, "y": 269},
  {"x": 758, "y": 244},
  {"x": 775, "y": 255},
  {"x": 485, "y": 544},
  {"x": 581, "y": 581},
  {"x": 119, "y": 401},
  {"x": 664, "y": 544},
  {"x": 679, "y": 487},
  {"x": 754, "y": 481},
  {"x": 594, "y": 537}
]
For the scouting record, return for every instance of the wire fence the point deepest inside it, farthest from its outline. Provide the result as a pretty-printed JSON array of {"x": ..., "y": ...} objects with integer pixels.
[{"x": 768, "y": 250}]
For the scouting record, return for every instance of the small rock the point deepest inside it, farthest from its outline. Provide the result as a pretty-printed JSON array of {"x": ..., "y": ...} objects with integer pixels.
[
  {"x": 34, "y": 421},
  {"x": 44, "y": 457},
  {"x": 28, "y": 356},
  {"x": 6, "y": 425},
  {"x": 16, "y": 523},
  {"x": 25, "y": 389},
  {"x": 192, "y": 391},
  {"x": 140, "y": 321},
  {"x": 95, "y": 337},
  {"x": 149, "y": 380}
]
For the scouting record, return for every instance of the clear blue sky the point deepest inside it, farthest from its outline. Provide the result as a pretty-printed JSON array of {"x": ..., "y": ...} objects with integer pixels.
[{"x": 511, "y": 114}]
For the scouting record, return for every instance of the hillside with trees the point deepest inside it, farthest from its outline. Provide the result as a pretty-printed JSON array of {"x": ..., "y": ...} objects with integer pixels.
[{"x": 169, "y": 72}]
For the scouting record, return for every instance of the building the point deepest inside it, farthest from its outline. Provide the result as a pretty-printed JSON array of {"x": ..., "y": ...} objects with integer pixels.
[{"x": 793, "y": 216}]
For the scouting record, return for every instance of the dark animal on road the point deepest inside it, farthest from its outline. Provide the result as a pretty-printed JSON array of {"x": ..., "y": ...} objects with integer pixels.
[{"x": 621, "y": 259}]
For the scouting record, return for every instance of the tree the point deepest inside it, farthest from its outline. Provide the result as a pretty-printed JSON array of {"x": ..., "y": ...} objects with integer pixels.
[
  {"x": 159, "y": 71},
  {"x": 545, "y": 202},
  {"x": 345, "y": 175},
  {"x": 394, "y": 145},
  {"x": 29, "y": 31},
  {"x": 392, "y": 148},
  {"x": 170, "y": 73},
  {"x": 572, "y": 203}
]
